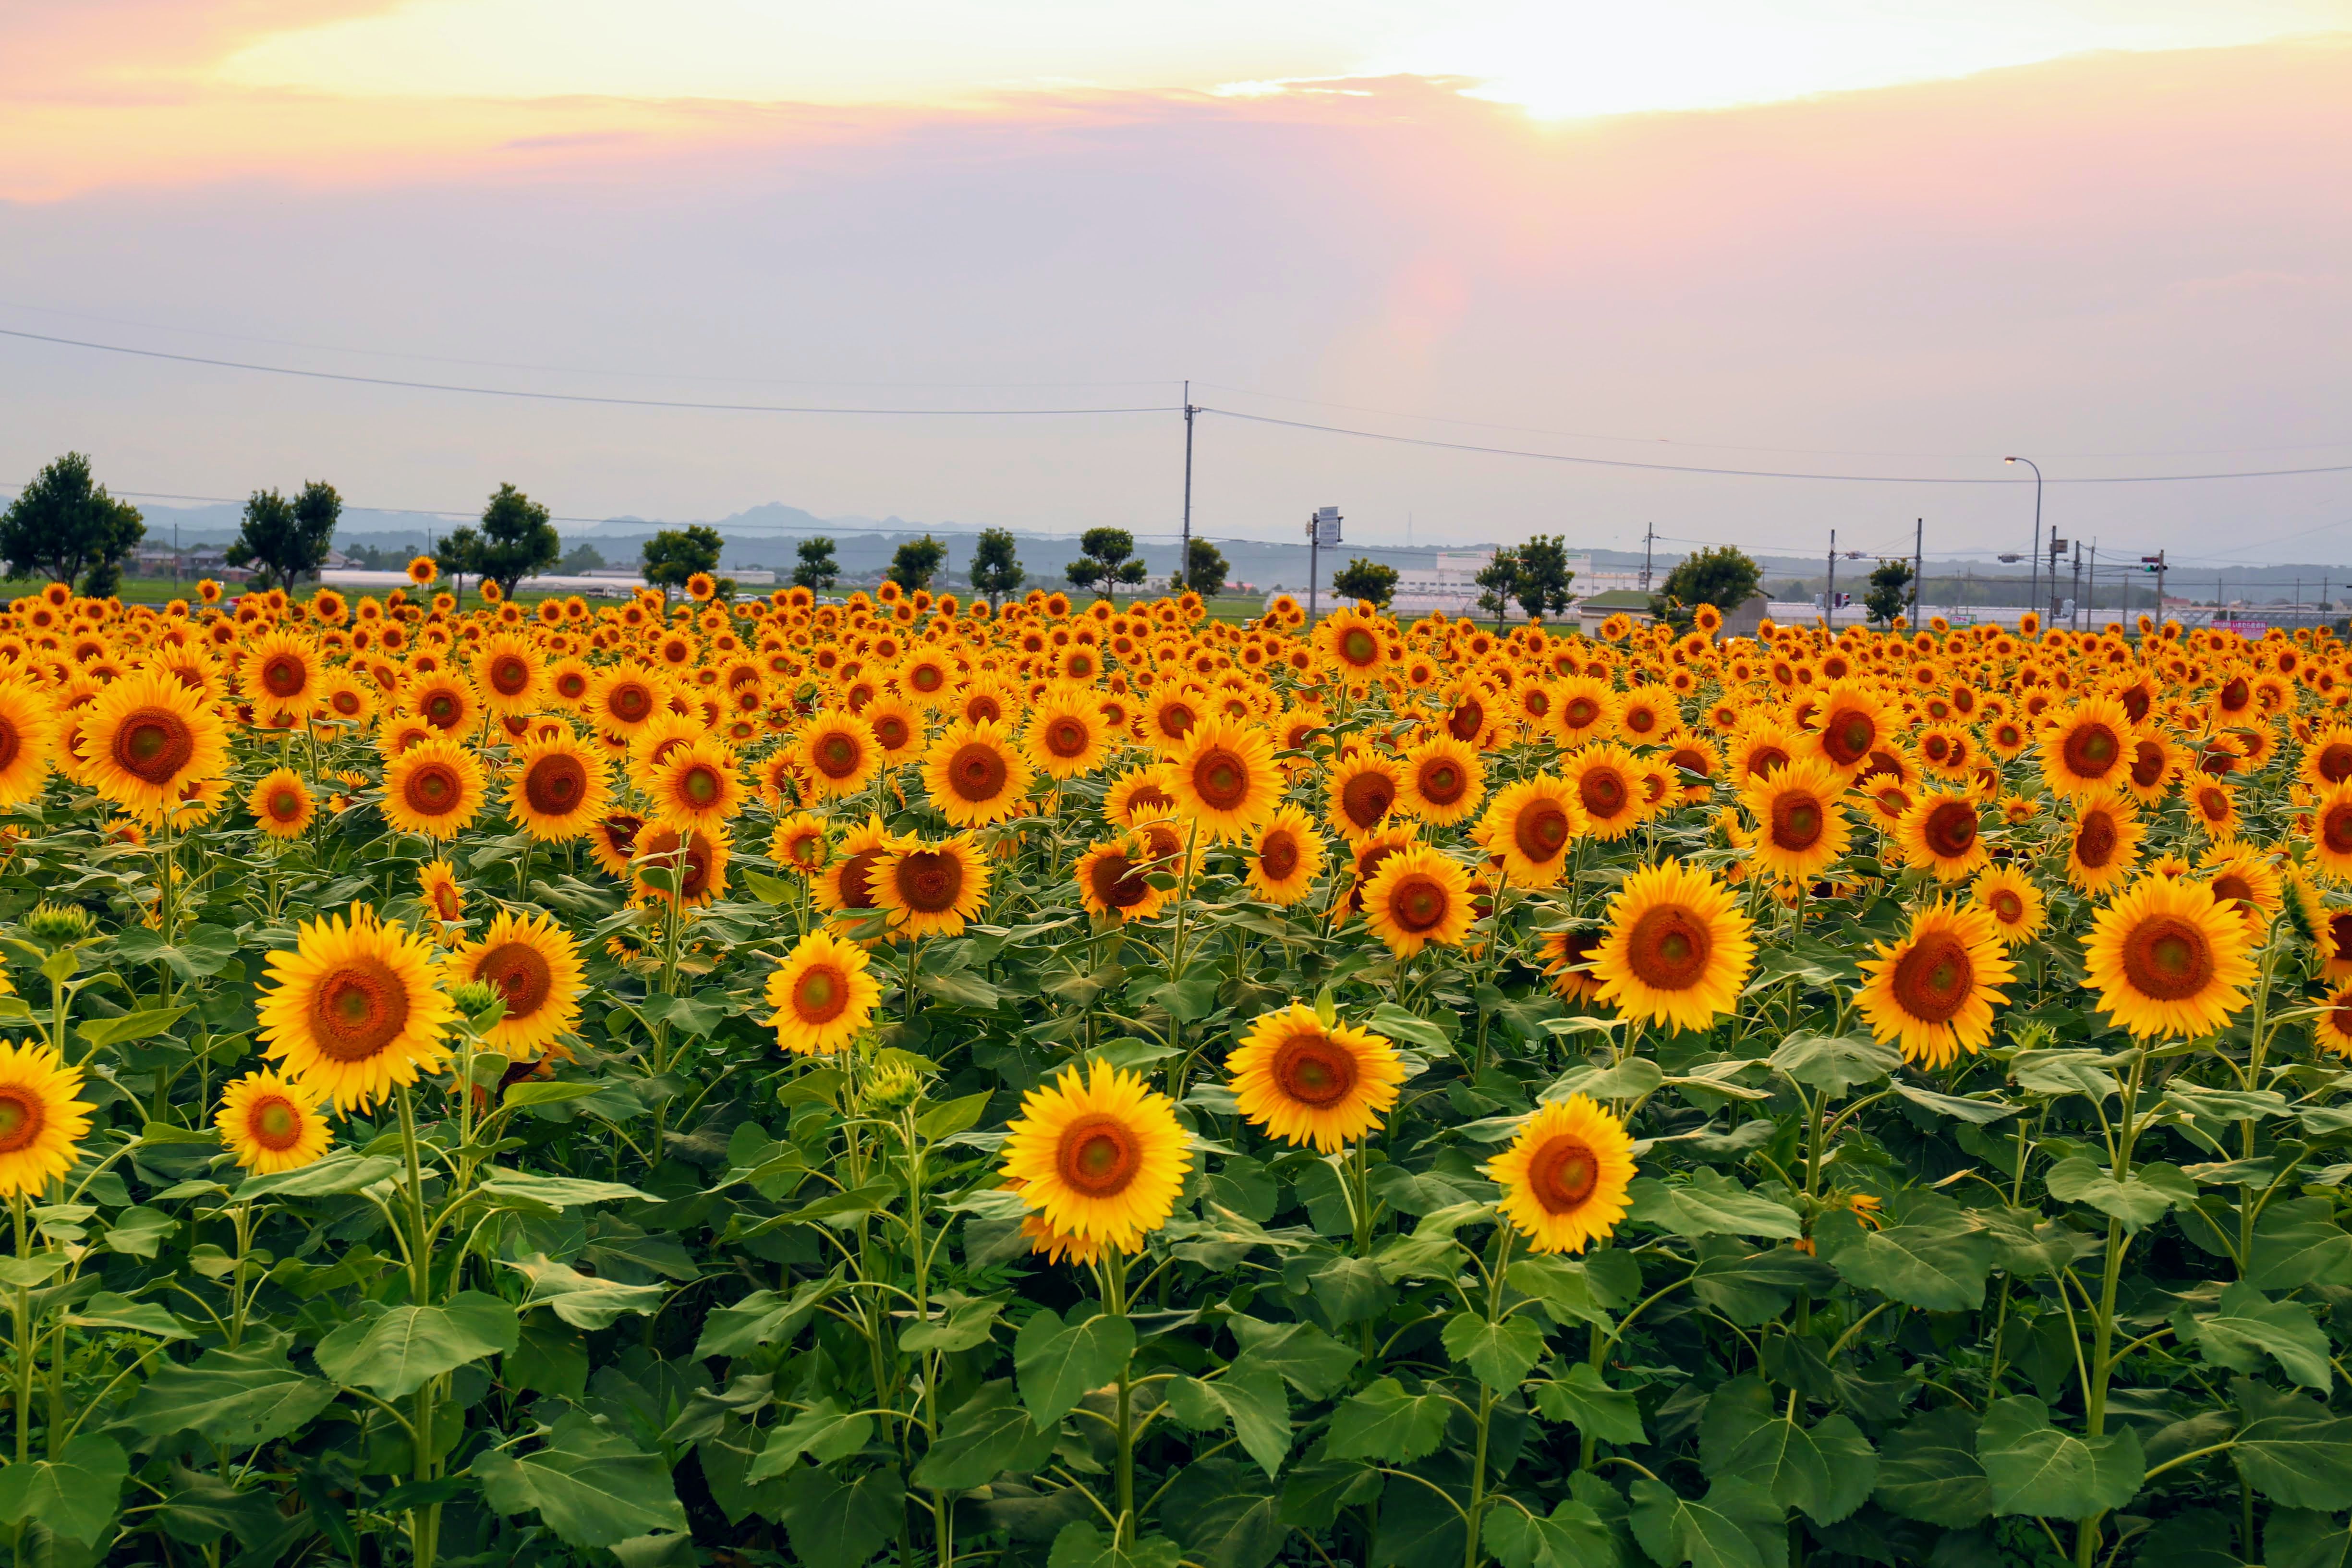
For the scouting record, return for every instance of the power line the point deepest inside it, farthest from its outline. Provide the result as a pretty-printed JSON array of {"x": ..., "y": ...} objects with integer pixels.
[
  {"x": 563, "y": 397},
  {"x": 1762, "y": 473}
]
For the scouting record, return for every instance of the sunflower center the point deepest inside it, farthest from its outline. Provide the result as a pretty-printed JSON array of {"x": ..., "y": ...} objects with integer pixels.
[
  {"x": 2213, "y": 802},
  {"x": 1366, "y": 798},
  {"x": 1221, "y": 779},
  {"x": 1798, "y": 822},
  {"x": 357, "y": 1009},
  {"x": 1580, "y": 713},
  {"x": 1934, "y": 980},
  {"x": 2094, "y": 841},
  {"x": 821, "y": 994},
  {"x": 2230, "y": 884},
  {"x": 805, "y": 850},
  {"x": 1359, "y": 646},
  {"x": 700, "y": 785},
  {"x": 1766, "y": 761},
  {"x": 441, "y": 711},
  {"x": 1669, "y": 947},
  {"x": 1562, "y": 1173},
  {"x": 977, "y": 773},
  {"x": 2168, "y": 958},
  {"x": 1117, "y": 884},
  {"x": 836, "y": 755},
  {"x": 2008, "y": 907},
  {"x": 285, "y": 675},
  {"x": 927, "y": 677},
  {"x": 2091, "y": 749},
  {"x": 1641, "y": 720},
  {"x": 2336, "y": 828},
  {"x": 521, "y": 974},
  {"x": 1067, "y": 738},
  {"x": 857, "y": 879},
  {"x": 931, "y": 881},
  {"x": 22, "y": 1116},
  {"x": 275, "y": 1124},
  {"x": 983, "y": 710},
  {"x": 572, "y": 686},
  {"x": 1099, "y": 1155},
  {"x": 11, "y": 741},
  {"x": 1951, "y": 829},
  {"x": 432, "y": 790},
  {"x": 2236, "y": 694},
  {"x": 1603, "y": 793},
  {"x": 2334, "y": 762},
  {"x": 1419, "y": 903},
  {"x": 1442, "y": 781},
  {"x": 1278, "y": 854},
  {"x": 285, "y": 804},
  {"x": 630, "y": 702},
  {"x": 1542, "y": 832},
  {"x": 893, "y": 731},
  {"x": 509, "y": 677},
  {"x": 1467, "y": 720},
  {"x": 154, "y": 744},
  {"x": 1314, "y": 1071}
]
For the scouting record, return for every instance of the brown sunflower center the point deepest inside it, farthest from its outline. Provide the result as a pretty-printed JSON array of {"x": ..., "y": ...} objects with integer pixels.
[
  {"x": 521, "y": 974},
  {"x": 1951, "y": 829},
  {"x": 805, "y": 850},
  {"x": 556, "y": 784},
  {"x": 442, "y": 710},
  {"x": 2092, "y": 749},
  {"x": 1798, "y": 822},
  {"x": 1640, "y": 719},
  {"x": 1562, "y": 1173},
  {"x": 1359, "y": 646},
  {"x": 928, "y": 880},
  {"x": 1314, "y": 1070},
  {"x": 1365, "y": 799},
  {"x": 1067, "y": 737},
  {"x": 2148, "y": 762},
  {"x": 836, "y": 754},
  {"x": 2007, "y": 907},
  {"x": 2168, "y": 958},
  {"x": 983, "y": 710},
  {"x": 857, "y": 879},
  {"x": 2334, "y": 762},
  {"x": 1765, "y": 760},
  {"x": 285, "y": 804},
  {"x": 1117, "y": 882},
  {"x": 630, "y": 701},
  {"x": 927, "y": 677},
  {"x": 1541, "y": 831},
  {"x": 285, "y": 675},
  {"x": 2213, "y": 803},
  {"x": 274, "y": 1122},
  {"x": 1278, "y": 854},
  {"x": 820, "y": 994},
  {"x": 1933, "y": 981},
  {"x": 1419, "y": 903},
  {"x": 893, "y": 731},
  {"x": 2235, "y": 693},
  {"x": 2094, "y": 841},
  {"x": 433, "y": 790},
  {"x": 1222, "y": 778},
  {"x": 357, "y": 1009},
  {"x": 1098, "y": 1154},
  {"x": 2234, "y": 885},
  {"x": 22, "y": 1116},
  {"x": 2336, "y": 828},
  {"x": 977, "y": 773},
  {"x": 154, "y": 744},
  {"x": 1467, "y": 720},
  {"x": 700, "y": 785},
  {"x": 510, "y": 676},
  {"x": 1442, "y": 781},
  {"x": 12, "y": 741},
  {"x": 1603, "y": 793},
  {"x": 1668, "y": 948},
  {"x": 1580, "y": 713},
  {"x": 572, "y": 686}
]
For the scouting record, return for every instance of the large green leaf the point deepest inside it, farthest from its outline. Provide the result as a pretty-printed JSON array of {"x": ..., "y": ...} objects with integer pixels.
[
  {"x": 1939, "y": 1267},
  {"x": 1751, "y": 1287},
  {"x": 393, "y": 1351},
  {"x": 1081, "y": 1545},
  {"x": 343, "y": 1171},
  {"x": 2139, "y": 1199},
  {"x": 591, "y": 1486},
  {"x": 1058, "y": 1364},
  {"x": 1251, "y": 1399},
  {"x": 1827, "y": 1469},
  {"x": 764, "y": 1317},
  {"x": 584, "y": 1300},
  {"x": 1736, "y": 1525},
  {"x": 2292, "y": 1449},
  {"x": 1583, "y": 1397},
  {"x": 2248, "y": 1325},
  {"x": 825, "y": 1432},
  {"x": 2036, "y": 1468},
  {"x": 1384, "y": 1421},
  {"x": 837, "y": 1523},
  {"x": 1500, "y": 1354},
  {"x": 1835, "y": 1063},
  {"x": 988, "y": 1434},
  {"x": 1306, "y": 1358},
  {"x": 1222, "y": 1518},
  {"x": 73, "y": 1494},
  {"x": 529, "y": 1189},
  {"x": 1927, "y": 1470},
  {"x": 237, "y": 1398},
  {"x": 2304, "y": 1538},
  {"x": 2296, "y": 1242},
  {"x": 1709, "y": 1204},
  {"x": 1570, "y": 1536}
]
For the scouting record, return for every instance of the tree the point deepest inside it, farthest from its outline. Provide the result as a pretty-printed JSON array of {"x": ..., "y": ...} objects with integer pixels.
[
  {"x": 995, "y": 570},
  {"x": 284, "y": 541},
  {"x": 1544, "y": 576},
  {"x": 1890, "y": 589},
  {"x": 817, "y": 570},
  {"x": 68, "y": 529},
  {"x": 1203, "y": 574},
  {"x": 1109, "y": 560},
  {"x": 516, "y": 539},
  {"x": 675, "y": 555},
  {"x": 1369, "y": 581},
  {"x": 1500, "y": 579},
  {"x": 580, "y": 558},
  {"x": 1722, "y": 576},
  {"x": 913, "y": 564}
]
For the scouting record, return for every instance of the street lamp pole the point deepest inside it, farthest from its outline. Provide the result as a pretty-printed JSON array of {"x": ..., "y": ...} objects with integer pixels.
[{"x": 2033, "y": 580}]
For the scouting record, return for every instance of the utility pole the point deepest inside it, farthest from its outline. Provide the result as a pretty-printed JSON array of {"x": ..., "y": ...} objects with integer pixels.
[
  {"x": 1918, "y": 565},
  {"x": 2092, "y": 619},
  {"x": 1184, "y": 550},
  {"x": 1828, "y": 600},
  {"x": 1322, "y": 529},
  {"x": 1649, "y": 534},
  {"x": 2075, "y": 621}
]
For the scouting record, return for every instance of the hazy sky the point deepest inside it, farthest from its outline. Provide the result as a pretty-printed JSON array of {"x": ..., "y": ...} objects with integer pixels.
[{"x": 1805, "y": 235}]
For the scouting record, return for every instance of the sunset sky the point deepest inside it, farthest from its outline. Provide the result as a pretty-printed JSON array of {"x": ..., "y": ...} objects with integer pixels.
[{"x": 1801, "y": 235}]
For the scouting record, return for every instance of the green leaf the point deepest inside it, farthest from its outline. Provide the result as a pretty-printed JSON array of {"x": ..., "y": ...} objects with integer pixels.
[
  {"x": 74, "y": 1494},
  {"x": 825, "y": 1432},
  {"x": 1309, "y": 1360},
  {"x": 1220, "y": 1516},
  {"x": 584, "y": 1300},
  {"x": 1081, "y": 1545},
  {"x": 1394, "y": 1022},
  {"x": 139, "y": 1232},
  {"x": 394, "y": 1352},
  {"x": 1058, "y": 1364},
  {"x": 967, "y": 1323},
  {"x": 766, "y": 888},
  {"x": 1708, "y": 1204},
  {"x": 1632, "y": 1079},
  {"x": 2249, "y": 1325},
  {"x": 947, "y": 1121},
  {"x": 2140, "y": 1200},
  {"x": 590, "y": 1485},
  {"x": 1939, "y": 1267},
  {"x": 1500, "y": 1353},
  {"x": 1583, "y": 1397},
  {"x": 1251, "y": 1398},
  {"x": 1384, "y": 1421},
  {"x": 1980, "y": 1112},
  {"x": 108, "y": 1311},
  {"x": 2063, "y": 1072},
  {"x": 1736, "y": 1525},
  {"x": 2304, "y": 1538},
  {"x": 527, "y": 1187},
  {"x": 551, "y": 1091},
  {"x": 202, "y": 1509},
  {"x": 344, "y": 1171},
  {"x": 237, "y": 1398},
  {"x": 202, "y": 952},
  {"x": 2292, "y": 1449},
  {"x": 99, "y": 1033},
  {"x": 1561, "y": 1285},
  {"x": 988, "y": 1434},
  {"x": 1753, "y": 1288},
  {"x": 764, "y": 1317},
  {"x": 2035, "y": 1469},
  {"x": 835, "y": 1523},
  {"x": 1827, "y": 1469},
  {"x": 1835, "y": 1063},
  {"x": 1927, "y": 1470},
  {"x": 1572, "y": 1536},
  {"x": 2296, "y": 1242}
]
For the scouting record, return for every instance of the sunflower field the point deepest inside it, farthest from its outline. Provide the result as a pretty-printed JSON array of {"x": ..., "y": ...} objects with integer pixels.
[{"x": 1058, "y": 1086}]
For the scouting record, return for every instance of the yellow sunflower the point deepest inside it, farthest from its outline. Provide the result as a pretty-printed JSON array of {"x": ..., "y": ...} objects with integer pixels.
[
  {"x": 1286, "y": 858},
  {"x": 1066, "y": 735},
  {"x": 27, "y": 741},
  {"x": 282, "y": 674},
  {"x": 2245, "y": 880},
  {"x": 1224, "y": 778},
  {"x": 42, "y": 1119},
  {"x": 799, "y": 844},
  {"x": 434, "y": 788},
  {"x": 511, "y": 674},
  {"x": 974, "y": 775},
  {"x": 556, "y": 787},
  {"x": 695, "y": 859},
  {"x": 1800, "y": 829},
  {"x": 1847, "y": 725},
  {"x": 442, "y": 699},
  {"x": 272, "y": 1123},
  {"x": 2332, "y": 1029},
  {"x": 1568, "y": 963},
  {"x": 353, "y": 1010},
  {"x": 1531, "y": 826},
  {"x": 2168, "y": 958},
  {"x": 932, "y": 890},
  {"x": 1941, "y": 832},
  {"x": 1603, "y": 779},
  {"x": 1138, "y": 796},
  {"x": 1102, "y": 1158},
  {"x": 1678, "y": 950},
  {"x": 534, "y": 963},
  {"x": 145, "y": 737},
  {"x": 282, "y": 805},
  {"x": 1418, "y": 897},
  {"x": 1565, "y": 1176},
  {"x": 2008, "y": 895},
  {"x": 846, "y": 886},
  {"x": 1581, "y": 708},
  {"x": 2104, "y": 848},
  {"x": 1361, "y": 789},
  {"x": 613, "y": 841},
  {"x": 2087, "y": 745},
  {"x": 1113, "y": 879},
  {"x": 1443, "y": 781},
  {"x": 698, "y": 785},
  {"x": 1305, "y": 1083},
  {"x": 823, "y": 994},
  {"x": 438, "y": 890},
  {"x": 626, "y": 698},
  {"x": 1933, "y": 991},
  {"x": 2331, "y": 831}
]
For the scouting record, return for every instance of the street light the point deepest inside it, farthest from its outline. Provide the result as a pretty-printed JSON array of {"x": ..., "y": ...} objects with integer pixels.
[{"x": 2033, "y": 578}]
